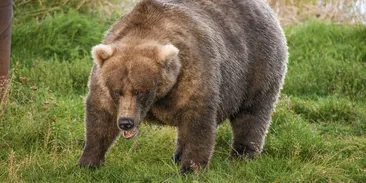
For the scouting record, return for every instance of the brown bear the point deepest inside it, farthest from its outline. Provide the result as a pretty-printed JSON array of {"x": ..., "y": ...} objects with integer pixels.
[{"x": 191, "y": 64}]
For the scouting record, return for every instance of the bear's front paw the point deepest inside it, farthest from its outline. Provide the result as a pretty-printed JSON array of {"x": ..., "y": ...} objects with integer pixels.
[
  {"x": 90, "y": 163},
  {"x": 177, "y": 157},
  {"x": 244, "y": 151},
  {"x": 192, "y": 166}
]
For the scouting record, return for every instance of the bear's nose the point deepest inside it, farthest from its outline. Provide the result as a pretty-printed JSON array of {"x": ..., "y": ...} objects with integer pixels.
[{"x": 125, "y": 123}]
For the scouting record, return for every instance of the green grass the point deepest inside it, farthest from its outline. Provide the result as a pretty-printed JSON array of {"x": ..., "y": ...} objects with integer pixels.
[{"x": 317, "y": 133}]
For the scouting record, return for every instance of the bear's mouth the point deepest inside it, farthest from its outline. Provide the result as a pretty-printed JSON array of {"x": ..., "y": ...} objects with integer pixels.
[{"x": 130, "y": 133}]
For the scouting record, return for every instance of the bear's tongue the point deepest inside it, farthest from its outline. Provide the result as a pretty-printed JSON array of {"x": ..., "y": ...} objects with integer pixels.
[{"x": 130, "y": 133}]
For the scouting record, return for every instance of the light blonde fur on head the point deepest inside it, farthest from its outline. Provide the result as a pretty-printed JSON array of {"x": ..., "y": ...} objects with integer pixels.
[
  {"x": 168, "y": 51},
  {"x": 101, "y": 53}
]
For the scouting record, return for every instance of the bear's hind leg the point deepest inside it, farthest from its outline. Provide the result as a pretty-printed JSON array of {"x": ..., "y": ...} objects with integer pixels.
[
  {"x": 249, "y": 131},
  {"x": 101, "y": 132}
]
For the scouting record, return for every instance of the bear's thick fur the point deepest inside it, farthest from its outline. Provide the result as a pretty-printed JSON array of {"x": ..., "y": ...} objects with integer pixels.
[{"x": 190, "y": 64}]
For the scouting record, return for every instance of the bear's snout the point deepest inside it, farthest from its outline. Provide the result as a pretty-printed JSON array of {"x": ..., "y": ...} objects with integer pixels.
[{"x": 125, "y": 123}]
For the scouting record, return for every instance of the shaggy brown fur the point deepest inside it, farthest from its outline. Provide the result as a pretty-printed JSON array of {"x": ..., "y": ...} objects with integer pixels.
[{"x": 190, "y": 64}]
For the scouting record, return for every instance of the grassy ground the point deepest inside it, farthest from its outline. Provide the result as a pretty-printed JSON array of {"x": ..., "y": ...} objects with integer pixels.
[{"x": 317, "y": 133}]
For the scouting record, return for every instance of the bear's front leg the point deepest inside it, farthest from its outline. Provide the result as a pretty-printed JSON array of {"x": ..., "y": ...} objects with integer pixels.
[
  {"x": 196, "y": 141},
  {"x": 101, "y": 132}
]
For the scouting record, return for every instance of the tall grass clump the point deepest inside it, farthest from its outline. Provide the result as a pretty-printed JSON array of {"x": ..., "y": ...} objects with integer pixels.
[
  {"x": 64, "y": 35},
  {"x": 334, "y": 64}
]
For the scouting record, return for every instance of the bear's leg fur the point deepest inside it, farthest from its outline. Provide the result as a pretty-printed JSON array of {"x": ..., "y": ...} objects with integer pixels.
[
  {"x": 249, "y": 131},
  {"x": 101, "y": 132},
  {"x": 196, "y": 141}
]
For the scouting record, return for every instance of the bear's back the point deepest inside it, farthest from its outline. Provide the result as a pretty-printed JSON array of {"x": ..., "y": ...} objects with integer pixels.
[{"x": 227, "y": 28}]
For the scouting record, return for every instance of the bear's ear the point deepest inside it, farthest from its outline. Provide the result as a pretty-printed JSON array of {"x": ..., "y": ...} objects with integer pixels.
[
  {"x": 167, "y": 52},
  {"x": 101, "y": 53}
]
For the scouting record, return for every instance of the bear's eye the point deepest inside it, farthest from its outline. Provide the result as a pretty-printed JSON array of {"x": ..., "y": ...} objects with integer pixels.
[
  {"x": 118, "y": 92},
  {"x": 138, "y": 93}
]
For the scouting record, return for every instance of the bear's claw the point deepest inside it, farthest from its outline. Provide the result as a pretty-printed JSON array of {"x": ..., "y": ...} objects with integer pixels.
[
  {"x": 244, "y": 151},
  {"x": 177, "y": 157}
]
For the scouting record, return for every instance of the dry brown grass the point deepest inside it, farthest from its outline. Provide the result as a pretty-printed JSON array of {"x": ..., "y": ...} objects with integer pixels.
[
  {"x": 42, "y": 8},
  {"x": 336, "y": 11},
  {"x": 289, "y": 11}
]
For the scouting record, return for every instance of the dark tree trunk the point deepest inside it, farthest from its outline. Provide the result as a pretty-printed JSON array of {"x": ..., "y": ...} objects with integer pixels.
[{"x": 6, "y": 12}]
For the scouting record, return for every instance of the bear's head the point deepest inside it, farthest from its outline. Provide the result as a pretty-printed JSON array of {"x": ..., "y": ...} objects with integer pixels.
[{"x": 135, "y": 76}]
